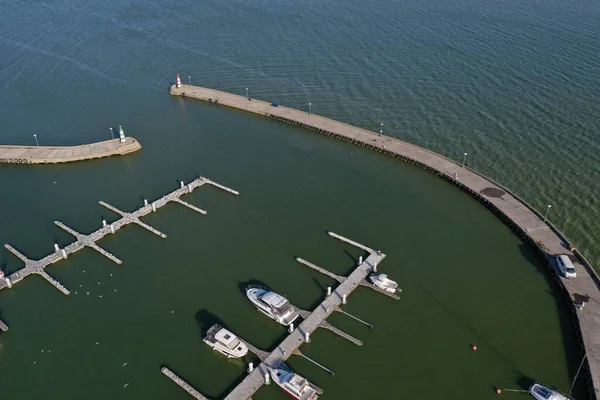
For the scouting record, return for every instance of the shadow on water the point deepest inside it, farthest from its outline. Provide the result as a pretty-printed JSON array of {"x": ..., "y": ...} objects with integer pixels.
[
  {"x": 567, "y": 321},
  {"x": 205, "y": 319}
]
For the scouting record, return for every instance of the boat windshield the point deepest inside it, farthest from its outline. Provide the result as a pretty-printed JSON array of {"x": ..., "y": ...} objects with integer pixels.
[
  {"x": 543, "y": 391},
  {"x": 571, "y": 270},
  {"x": 233, "y": 344}
]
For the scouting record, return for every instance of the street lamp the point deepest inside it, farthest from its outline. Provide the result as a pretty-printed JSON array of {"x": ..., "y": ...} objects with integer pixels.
[
  {"x": 309, "y": 111},
  {"x": 547, "y": 211},
  {"x": 464, "y": 159},
  {"x": 381, "y": 130},
  {"x": 190, "y": 79},
  {"x": 111, "y": 132},
  {"x": 36, "y": 141},
  {"x": 247, "y": 97}
]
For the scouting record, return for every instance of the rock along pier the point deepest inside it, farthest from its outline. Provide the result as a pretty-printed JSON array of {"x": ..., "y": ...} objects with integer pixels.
[
  {"x": 301, "y": 334},
  {"x": 89, "y": 240},
  {"x": 527, "y": 222}
]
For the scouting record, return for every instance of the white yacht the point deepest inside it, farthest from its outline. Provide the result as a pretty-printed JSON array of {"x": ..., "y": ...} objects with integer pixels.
[
  {"x": 293, "y": 384},
  {"x": 225, "y": 342},
  {"x": 382, "y": 282},
  {"x": 541, "y": 392},
  {"x": 272, "y": 304}
]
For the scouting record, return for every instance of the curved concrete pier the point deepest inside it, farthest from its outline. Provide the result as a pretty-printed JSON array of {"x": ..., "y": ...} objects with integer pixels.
[
  {"x": 521, "y": 217},
  {"x": 61, "y": 154}
]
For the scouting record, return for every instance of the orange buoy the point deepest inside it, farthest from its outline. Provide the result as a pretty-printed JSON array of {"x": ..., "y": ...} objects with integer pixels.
[
  {"x": 498, "y": 390},
  {"x": 474, "y": 347}
]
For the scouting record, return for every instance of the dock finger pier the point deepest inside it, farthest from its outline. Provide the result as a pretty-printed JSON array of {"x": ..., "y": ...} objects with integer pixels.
[{"x": 312, "y": 320}]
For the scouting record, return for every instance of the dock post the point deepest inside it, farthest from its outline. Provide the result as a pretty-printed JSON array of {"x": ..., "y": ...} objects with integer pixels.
[
  {"x": 328, "y": 290},
  {"x": 291, "y": 328},
  {"x": 64, "y": 254},
  {"x": 307, "y": 337},
  {"x": 8, "y": 282},
  {"x": 189, "y": 188},
  {"x": 182, "y": 184},
  {"x": 344, "y": 299},
  {"x": 104, "y": 223},
  {"x": 145, "y": 203},
  {"x": 112, "y": 229},
  {"x": 56, "y": 248},
  {"x": 374, "y": 267},
  {"x": 359, "y": 260},
  {"x": 250, "y": 367},
  {"x": 267, "y": 378},
  {"x": 153, "y": 207}
]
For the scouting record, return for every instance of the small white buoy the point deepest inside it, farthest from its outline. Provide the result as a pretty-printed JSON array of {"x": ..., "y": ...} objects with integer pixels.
[
  {"x": 88, "y": 292},
  {"x": 100, "y": 295},
  {"x": 96, "y": 342},
  {"x": 110, "y": 274},
  {"x": 35, "y": 362},
  {"x": 115, "y": 290},
  {"x": 127, "y": 384},
  {"x": 124, "y": 364},
  {"x": 172, "y": 312}
]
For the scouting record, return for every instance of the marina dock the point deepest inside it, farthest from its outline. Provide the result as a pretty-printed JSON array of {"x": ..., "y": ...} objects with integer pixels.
[
  {"x": 61, "y": 154},
  {"x": 521, "y": 217},
  {"x": 89, "y": 240},
  {"x": 301, "y": 334}
]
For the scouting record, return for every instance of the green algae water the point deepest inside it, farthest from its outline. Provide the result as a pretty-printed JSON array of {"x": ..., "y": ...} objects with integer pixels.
[{"x": 68, "y": 71}]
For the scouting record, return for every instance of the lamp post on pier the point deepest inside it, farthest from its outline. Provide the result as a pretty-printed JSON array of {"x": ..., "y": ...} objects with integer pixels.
[
  {"x": 36, "y": 141},
  {"x": 112, "y": 135},
  {"x": 464, "y": 159},
  {"x": 309, "y": 110},
  {"x": 247, "y": 97},
  {"x": 547, "y": 211},
  {"x": 190, "y": 79},
  {"x": 381, "y": 130}
]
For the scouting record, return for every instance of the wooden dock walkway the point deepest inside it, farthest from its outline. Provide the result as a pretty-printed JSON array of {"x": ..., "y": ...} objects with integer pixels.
[
  {"x": 61, "y": 154},
  {"x": 182, "y": 384},
  {"x": 39, "y": 266},
  {"x": 521, "y": 217},
  {"x": 313, "y": 321}
]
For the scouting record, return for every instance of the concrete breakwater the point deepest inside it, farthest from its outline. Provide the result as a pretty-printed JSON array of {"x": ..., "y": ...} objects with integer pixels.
[
  {"x": 522, "y": 218},
  {"x": 59, "y": 154}
]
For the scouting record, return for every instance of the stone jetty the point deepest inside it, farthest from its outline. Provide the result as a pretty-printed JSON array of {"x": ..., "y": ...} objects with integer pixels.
[
  {"x": 61, "y": 154},
  {"x": 527, "y": 222}
]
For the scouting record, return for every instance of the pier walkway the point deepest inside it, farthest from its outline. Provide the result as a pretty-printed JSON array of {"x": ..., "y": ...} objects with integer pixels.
[
  {"x": 300, "y": 335},
  {"x": 60, "y": 154},
  {"x": 291, "y": 344},
  {"x": 521, "y": 217},
  {"x": 39, "y": 266}
]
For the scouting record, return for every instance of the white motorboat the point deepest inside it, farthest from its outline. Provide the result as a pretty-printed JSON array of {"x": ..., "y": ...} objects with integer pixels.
[
  {"x": 272, "y": 304},
  {"x": 541, "y": 392},
  {"x": 382, "y": 282},
  {"x": 293, "y": 384},
  {"x": 225, "y": 342}
]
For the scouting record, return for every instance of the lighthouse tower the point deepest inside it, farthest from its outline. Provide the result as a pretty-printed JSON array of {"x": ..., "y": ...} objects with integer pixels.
[
  {"x": 178, "y": 81},
  {"x": 121, "y": 134}
]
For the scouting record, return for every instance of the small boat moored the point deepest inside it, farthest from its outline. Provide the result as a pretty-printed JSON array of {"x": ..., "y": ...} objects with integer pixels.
[
  {"x": 382, "y": 282},
  {"x": 271, "y": 304},
  {"x": 541, "y": 392},
  {"x": 225, "y": 342},
  {"x": 293, "y": 384}
]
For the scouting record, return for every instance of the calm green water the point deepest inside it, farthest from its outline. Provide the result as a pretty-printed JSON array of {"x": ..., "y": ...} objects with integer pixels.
[{"x": 514, "y": 85}]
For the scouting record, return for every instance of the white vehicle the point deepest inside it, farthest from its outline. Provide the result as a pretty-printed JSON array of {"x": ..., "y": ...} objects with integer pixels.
[
  {"x": 225, "y": 342},
  {"x": 272, "y": 304},
  {"x": 382, "y": 282},
  {"x": 293, "y": 384},
  {"x": 541, "y": 392},
  {"x": 565, "y": 265}
]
